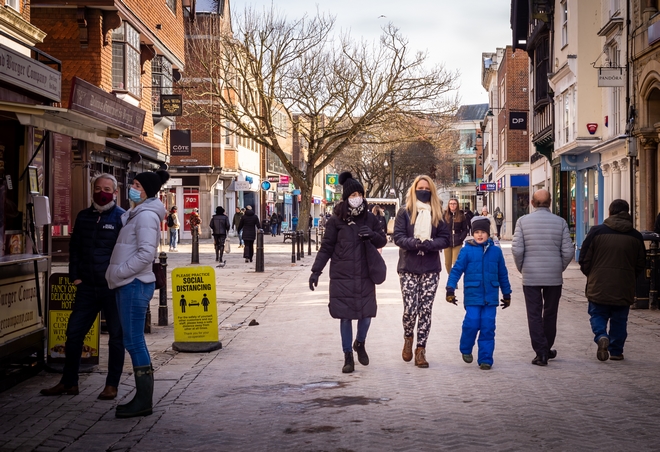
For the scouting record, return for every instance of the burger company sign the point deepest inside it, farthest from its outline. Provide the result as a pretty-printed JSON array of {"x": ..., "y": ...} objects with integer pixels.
[{"x": 180, "y": 142}]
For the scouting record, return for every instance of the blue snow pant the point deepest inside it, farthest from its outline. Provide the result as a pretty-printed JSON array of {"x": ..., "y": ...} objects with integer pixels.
[{"x": 481, "y": 320}]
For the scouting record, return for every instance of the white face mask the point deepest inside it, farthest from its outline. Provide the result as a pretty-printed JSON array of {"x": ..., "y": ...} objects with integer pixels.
[{"x": 355, "y": 202}]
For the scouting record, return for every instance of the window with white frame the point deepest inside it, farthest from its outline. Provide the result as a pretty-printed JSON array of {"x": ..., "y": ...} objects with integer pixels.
[
  {"x": 615, "y": 7},
  {"x": 564, "y": 22},
  {"x": 161, "y": 81},
  {"x": 126, "y": 69},
  {"x": 171, "y": 4},
  {"x": 503, "y": 92},
  {"x": 573, "y": 113},
  {"x": 567, "y": 115},
  {"x": 13, "y": 4}
]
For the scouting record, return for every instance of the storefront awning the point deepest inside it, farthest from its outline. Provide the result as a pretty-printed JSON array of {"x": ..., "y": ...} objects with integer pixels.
[{"x": 144, "y": 149}]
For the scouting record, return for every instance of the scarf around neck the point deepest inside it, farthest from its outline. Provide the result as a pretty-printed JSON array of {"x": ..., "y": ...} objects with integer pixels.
[
  {"x": 423, "y": 221},
  {"x": 354, "y": 212}
]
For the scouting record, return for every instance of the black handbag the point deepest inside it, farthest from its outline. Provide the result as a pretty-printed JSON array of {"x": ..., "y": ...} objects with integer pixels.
[
  {"x": 375, "y": 263},
  {"x": 159, "y": 272}
]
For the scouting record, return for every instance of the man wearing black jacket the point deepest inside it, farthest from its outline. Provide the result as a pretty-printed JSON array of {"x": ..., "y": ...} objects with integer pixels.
[
  {"x": 219, "y": 227},
  {"x": 92, "y": 241}
]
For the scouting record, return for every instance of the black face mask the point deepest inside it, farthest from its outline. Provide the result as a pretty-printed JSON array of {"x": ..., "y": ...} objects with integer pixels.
[{"x": 423, "y": 195}]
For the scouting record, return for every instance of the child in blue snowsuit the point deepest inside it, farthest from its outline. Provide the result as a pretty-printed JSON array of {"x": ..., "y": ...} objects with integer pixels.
[{"x": 485, "y": 273}]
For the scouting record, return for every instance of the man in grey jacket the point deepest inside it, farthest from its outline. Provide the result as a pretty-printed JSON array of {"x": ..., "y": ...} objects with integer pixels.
[{"x": 542, "y": 249}]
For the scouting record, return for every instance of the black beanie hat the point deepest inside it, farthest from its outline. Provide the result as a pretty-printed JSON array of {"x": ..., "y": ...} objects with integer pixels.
[
  {"x": 219, "y": 210},
  {"x": 151, "y": 182},
  {"x": 350, "y": 185},
  {"x": 481, "y": 224}
]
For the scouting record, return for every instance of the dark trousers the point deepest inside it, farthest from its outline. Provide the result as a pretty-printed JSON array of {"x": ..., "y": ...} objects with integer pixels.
[
  {"x": 499, "y": 228},
  {"x": 617, "y": 316},
  {"x": 542, "y": 304},
  {"x": 89, "y": 302},
  {"x": 219, "y": 241},
  {"x": 248, "y": 251}
]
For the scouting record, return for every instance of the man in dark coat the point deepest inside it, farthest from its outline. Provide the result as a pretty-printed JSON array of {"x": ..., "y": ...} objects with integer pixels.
[
  {"x": 352, "y": 292},
  {"x": 94, "y": 236},
  {"x": 219, "y": 227},
  {"x": 612, "y": 257},
  {"x": 235, "y": 222},
  {"x": 248, "y": 226}
]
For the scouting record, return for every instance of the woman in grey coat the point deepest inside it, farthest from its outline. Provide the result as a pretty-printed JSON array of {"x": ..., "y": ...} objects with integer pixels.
[{"x": 130, "y": 272}]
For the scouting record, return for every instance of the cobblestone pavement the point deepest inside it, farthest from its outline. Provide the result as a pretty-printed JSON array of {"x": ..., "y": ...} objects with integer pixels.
[{"x": 278, "y": 386}]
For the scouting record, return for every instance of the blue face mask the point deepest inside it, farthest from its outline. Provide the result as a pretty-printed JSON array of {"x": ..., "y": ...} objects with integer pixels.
[{"x": 134, "y": 195}]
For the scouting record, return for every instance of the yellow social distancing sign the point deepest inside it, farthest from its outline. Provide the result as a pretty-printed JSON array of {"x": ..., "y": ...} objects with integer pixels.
[{"x": 195, "y": 309}]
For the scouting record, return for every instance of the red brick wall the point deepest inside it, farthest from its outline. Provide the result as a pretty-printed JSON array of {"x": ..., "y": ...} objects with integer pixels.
[
  {"x": 153, "y": 12},
  {"x": 515, "y": 67}
]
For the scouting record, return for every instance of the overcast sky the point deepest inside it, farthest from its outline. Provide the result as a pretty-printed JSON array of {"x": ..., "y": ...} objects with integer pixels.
[{"x": 453, "y": 32}]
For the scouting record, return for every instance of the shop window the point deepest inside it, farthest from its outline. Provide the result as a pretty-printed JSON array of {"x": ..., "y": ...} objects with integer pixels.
[
  {"x": 161, "y": 81},
  {"x": 126, "y": 69}
]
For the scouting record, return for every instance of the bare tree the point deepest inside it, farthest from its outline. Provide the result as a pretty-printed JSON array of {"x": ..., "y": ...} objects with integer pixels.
[{"x": 334, "y": 91}]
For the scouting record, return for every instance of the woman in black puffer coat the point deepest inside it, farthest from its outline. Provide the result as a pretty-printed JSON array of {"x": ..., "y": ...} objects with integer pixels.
[
  {"x": 249, "y": 225},
  {"x": 352, "y": 292}
]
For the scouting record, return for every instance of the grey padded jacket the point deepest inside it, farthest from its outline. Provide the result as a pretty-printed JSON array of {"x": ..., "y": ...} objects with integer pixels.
[
  {"x": 137, "y": 244},
  {"x": 542, "y": 248}
]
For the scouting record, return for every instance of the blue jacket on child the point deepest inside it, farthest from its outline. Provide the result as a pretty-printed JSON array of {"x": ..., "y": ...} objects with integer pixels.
[{"x": 485, "y": 273}]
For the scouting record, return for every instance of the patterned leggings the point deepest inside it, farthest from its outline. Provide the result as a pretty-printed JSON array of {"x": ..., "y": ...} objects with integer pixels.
[{"x": 418, "y": 294}]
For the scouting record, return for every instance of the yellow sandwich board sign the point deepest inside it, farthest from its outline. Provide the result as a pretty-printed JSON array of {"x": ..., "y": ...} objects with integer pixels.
[{"x": 195, "y": 309}]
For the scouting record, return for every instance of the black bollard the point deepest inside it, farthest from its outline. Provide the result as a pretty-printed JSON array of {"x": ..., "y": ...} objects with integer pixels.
[
  {"x": 162, "y": 296},
  {"x": 653, "y": 290},
  {"x": 302, "y": 244},
  {"x": 298, "y": 247},
  {"x": 293, "y": 249},
  {"x": 309, "y": 242},
  {"x": 194, "y": 258},
  {"x": 259, "y": 265},
  {"x": 316, "y": 235}
]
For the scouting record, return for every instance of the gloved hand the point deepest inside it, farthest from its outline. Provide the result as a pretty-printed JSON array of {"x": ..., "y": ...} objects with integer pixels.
[
  {"x": 313, "y": 280},
  {"x": 506, "y": 301},
  {"x": 426, "y": 245},
  {"x": 451, "y": 298},
  {"x": 365, "y": 232}
]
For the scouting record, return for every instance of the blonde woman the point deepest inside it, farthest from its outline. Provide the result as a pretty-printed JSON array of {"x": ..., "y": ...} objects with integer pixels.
[{"x": 420, "y": 233}]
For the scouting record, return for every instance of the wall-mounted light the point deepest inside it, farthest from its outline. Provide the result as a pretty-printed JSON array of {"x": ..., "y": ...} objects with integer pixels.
[{"x": 159, "y": 26}]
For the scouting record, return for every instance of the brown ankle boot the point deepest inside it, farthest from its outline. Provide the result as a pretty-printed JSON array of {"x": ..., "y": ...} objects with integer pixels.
[
  {"x": 407, "y": 353},
  {"x": 420, "y": 357},
  {"x": 109, "y": 393},
  {"x": 60, "y": 389}
]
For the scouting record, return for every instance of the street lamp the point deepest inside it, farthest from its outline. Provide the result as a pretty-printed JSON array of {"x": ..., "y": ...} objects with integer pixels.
[{"x": 392, "y": 191}]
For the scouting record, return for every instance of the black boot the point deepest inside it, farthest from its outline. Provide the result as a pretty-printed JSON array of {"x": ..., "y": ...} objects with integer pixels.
[
  {"x": 349, "y": 364},
  {"x": 141, "y": 405},
  {"x": 363, "y": 358},
  {"x": 216, "y": 255}
]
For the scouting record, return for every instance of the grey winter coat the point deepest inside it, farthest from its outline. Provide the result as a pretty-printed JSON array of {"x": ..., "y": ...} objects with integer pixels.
[
  {"x": 137, "y": 244},
  {"x": 542, "y": 248}
]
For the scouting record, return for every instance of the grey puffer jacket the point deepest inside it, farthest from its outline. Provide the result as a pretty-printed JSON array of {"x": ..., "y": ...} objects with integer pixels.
[
  {"x": 137, "y": 244},
  {"x": 542, "y": 248}
]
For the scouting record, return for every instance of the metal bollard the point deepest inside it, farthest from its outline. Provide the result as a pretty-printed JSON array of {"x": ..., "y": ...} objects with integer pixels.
[
  {"x": 309, "y": 242},
  {"x": 302, "y": 244},
  {"x": 298, "y": 245},
  {"x": 259, "y": 265},
  {"x": 194, "y": 258},
  {"x": 162, "y": 296},
  {"x": 293, "y": 249},
  {"x": 653, "y": 290},
  {"x": 316, "y": 235}
]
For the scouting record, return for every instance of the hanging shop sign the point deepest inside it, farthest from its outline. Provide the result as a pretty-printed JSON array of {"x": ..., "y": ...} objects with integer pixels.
[
  {"x": 331, "y": 179},
  {"x": 517, "y": 120},
  {"x": 180, "y": 142},
  {"x": 171, "y": 104},
  {"x": 284, "y": 179},
  {"x": 611, "y": 76}
]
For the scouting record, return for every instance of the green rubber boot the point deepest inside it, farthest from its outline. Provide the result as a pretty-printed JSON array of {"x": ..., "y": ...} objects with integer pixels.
[{"x": 142, "y": 403}]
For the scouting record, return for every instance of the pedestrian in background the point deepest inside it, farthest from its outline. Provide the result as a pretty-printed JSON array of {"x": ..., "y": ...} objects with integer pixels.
[
  {"x": 294, "y": 223},
  {"x": 273, "y": 225},
  {"x": 612, "y": 257},
  {"x": 173, "y": 224},
  {"x": 484, "y": 272},
  {"x": 468, "y": 214},
  {"x": 248, "y": 227},
  {"x": 234, "y": 225},
  {"x": 280, "y": 219},
  {"x": 458, "y": 230},
  {"x": 498, "y": 215},
  {"x": 542, "y": 249},
  {"x": 382, "y": 224},
  {"x": 420, "y": 233},
  {"x": 219, "y": 227},
  {"x": 131, "y": 273},
  {"x": 352, "y": 292},
  {"x": 93, "y": 238}
]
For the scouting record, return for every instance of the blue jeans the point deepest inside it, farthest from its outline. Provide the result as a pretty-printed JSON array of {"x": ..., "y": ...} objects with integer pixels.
[
  {"x": 240, "y": 238},
  {"x": 481, "y": 320},
  {"x": 273, "y": 229},
  {"x": 89, "y": 301},
  {"x": 133, "y": 300},
  {"x": 600, "y": 314},
  {"x": 346, "y": 329},
  {"x": 174, "y": 233}
]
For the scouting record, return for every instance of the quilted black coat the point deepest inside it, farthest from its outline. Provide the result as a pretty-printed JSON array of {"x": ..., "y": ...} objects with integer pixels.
[
  {"x": 93, "y": 238},
  {"x": 352, "y": 293}
]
